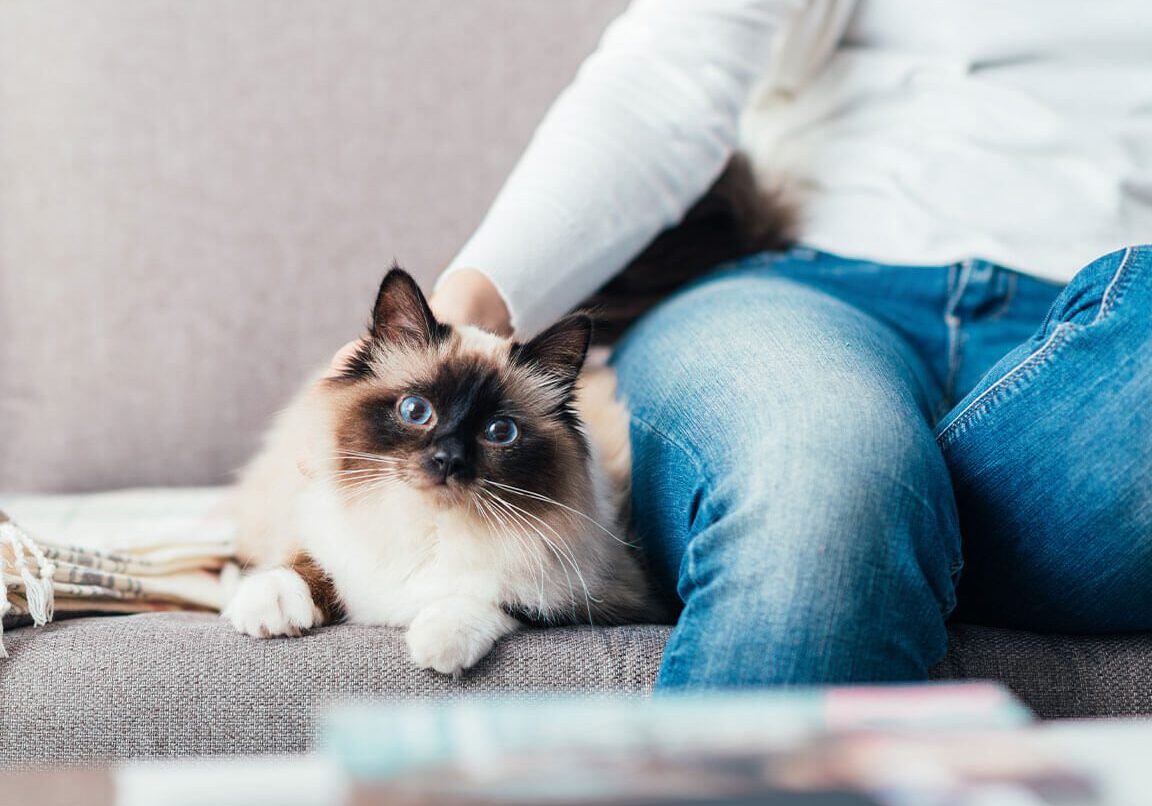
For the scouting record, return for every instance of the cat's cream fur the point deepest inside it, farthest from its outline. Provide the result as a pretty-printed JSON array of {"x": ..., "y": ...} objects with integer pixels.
[{"x": 453, "y": 573}]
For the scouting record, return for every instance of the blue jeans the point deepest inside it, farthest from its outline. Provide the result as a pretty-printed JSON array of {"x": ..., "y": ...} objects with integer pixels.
[{"x": 819, "y": 445}]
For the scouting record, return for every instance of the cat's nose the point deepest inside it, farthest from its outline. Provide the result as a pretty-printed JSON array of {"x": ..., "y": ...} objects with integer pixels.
[{"x": 448, "y": 462}]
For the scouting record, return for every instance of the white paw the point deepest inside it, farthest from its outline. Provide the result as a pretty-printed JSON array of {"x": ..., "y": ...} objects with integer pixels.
[
  {"x": 272, "y": 603},
  {"x": 452, "y": 637}
]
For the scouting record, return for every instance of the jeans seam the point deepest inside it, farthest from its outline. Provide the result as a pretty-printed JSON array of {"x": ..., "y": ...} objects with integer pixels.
[
  {"x": 689, "y": 455},
  {"x": 1114, "y": 290},
  {"x": 1007, "y": 381}
]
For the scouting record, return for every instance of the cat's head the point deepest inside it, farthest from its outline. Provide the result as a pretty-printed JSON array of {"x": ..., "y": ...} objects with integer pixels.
[{"x": 459, "y": 414}]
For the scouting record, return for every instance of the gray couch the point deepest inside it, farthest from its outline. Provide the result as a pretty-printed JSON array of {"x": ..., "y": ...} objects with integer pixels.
[
  {"x": 196, "y": 200},
  {"x": 96, "y": 689}
]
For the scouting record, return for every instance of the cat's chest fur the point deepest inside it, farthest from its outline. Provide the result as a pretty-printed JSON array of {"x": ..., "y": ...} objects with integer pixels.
[{"x": 393, "y": 556}]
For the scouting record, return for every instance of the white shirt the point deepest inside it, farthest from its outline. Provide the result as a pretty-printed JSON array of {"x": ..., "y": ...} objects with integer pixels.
[{"x": 910, "y": 132}]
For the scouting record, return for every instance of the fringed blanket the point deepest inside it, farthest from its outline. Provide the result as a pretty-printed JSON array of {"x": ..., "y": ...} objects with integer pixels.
[{"x": 124, "y": 552}]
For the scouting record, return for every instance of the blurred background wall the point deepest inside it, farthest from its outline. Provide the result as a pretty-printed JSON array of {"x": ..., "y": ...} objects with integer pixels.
[{"x": 198, "y": 198}]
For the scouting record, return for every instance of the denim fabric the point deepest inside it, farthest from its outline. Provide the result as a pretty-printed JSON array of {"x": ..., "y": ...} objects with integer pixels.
[{"x": 820, "y": 444}]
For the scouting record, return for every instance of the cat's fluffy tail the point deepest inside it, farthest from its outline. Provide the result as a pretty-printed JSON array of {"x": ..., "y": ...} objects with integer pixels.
[{"x": 736, "y": 217}]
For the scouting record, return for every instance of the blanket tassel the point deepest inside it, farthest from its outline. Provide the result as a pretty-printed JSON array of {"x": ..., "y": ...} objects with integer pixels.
[{"x": 39, "y": 587}]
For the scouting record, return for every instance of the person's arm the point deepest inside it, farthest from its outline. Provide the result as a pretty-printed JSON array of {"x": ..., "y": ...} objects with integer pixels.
[{"x": 640, "y": 134}]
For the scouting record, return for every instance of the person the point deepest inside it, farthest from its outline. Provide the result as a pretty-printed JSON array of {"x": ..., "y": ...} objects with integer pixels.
[{"x": 816, "y": 430}]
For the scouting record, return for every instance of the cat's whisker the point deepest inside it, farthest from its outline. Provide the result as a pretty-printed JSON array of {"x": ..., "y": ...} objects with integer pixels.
[
  {"x": 561, "y": 540},
  {"x": 366, "y": 473},
  {"x": 523, "y": 547},
  {"x": 368, "y": 457},
  {"x": 533, "y": 549},
  {"x": 560, "y": 561},
  {"x": 378, "y": 482},
  {"x": 509, "y": 512},
  {"x": 367, "y": 485},
  {"x": 360, "y": 493},
  {"x": 588, "y": 598},
  {"x": 492, "y": 525},
  {"x": 376, "y": 459},
  {"x": 512, "y": 539},
  {"x": 358, "y": 475},
  {"x": 351, "y": 452},
  {"x": 483, "y": 510},
  {"x": 355, "y": 471},
  {"x": 343, "y": 456},
  {"x": 499, "y": 523},
  {"x": 554, "y": 502}
]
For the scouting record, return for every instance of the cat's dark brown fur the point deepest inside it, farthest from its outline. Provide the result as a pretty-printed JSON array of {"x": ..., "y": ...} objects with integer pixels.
[{"x": 736, "y": 217}]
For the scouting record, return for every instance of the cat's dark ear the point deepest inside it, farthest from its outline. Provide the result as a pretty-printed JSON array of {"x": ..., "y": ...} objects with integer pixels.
[
  {"x": 401, "y": 313},
  {"x": 560, "y": 350}
]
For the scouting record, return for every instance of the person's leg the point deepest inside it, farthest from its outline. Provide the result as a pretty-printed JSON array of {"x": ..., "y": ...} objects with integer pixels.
[
  {"x": 1051, "y": 458},
  {"x": 787, "y": 487}
]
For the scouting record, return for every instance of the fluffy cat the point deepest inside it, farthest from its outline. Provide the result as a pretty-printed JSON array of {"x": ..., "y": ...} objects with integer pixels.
[{"x": 447, "y": 481}]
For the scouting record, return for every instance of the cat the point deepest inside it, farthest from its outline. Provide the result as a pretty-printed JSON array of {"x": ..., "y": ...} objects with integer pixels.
[{"x": 447, "y": 481}]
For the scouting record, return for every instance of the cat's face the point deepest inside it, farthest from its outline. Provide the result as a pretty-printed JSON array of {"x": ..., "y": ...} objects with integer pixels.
[{"x": 459, "y": 414}]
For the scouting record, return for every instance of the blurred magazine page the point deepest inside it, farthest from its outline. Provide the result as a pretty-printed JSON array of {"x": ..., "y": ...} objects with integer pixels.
[{"x": 723, "y": 747}]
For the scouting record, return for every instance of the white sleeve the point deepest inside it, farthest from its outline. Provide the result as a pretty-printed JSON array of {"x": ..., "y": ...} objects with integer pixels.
[{"x": 643, "y": 130}]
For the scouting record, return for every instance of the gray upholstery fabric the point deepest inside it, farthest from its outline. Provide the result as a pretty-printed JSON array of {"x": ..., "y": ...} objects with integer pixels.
[
  {"x": 197, "y": 200},
  {"x": 1058, "y": 675},
  {"x": 94, "y": 689}
]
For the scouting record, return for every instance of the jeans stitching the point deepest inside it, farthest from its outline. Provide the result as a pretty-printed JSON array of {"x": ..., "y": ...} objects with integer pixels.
[
  {"x": 689, "y": 455},
  {"x": 1113, "y": 292},
  {"x": 1036, "y": 358}
]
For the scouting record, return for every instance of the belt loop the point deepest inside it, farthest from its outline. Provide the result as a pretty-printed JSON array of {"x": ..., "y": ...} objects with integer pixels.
[{"x": 959, "y": 277}]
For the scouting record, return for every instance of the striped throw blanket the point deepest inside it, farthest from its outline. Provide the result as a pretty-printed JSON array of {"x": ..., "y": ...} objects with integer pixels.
[{"x": 124, "y": 552}]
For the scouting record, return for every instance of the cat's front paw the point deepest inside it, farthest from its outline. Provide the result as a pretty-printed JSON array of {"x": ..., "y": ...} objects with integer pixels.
[
  {"x": 271, "y": 604},
  {"x": 454, "y": 636}
]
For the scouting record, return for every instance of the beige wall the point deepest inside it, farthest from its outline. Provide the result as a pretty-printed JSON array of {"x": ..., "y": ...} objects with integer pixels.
[{"x": 197, "y": 198}]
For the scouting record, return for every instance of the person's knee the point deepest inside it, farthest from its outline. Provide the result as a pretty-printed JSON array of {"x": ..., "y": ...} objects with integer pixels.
[
  {"x": 828, "y": 522},
  {"x": 774, "y": 366}
]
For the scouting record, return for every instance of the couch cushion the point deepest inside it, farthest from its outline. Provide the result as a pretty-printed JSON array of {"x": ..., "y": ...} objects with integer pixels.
[
  {"x": 1058, "y": 675},
  {"x": 94, "y": 689}
]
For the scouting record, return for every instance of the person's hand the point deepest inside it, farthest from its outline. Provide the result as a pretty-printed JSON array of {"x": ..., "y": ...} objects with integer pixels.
[{"x": 466, "y": 297}]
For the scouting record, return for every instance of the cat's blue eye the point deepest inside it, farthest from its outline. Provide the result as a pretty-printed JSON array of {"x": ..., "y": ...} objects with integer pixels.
[
  {"x": 501, "y": 431},
  {"x": 415, "y": 410}
]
